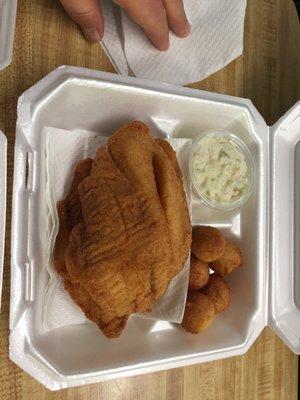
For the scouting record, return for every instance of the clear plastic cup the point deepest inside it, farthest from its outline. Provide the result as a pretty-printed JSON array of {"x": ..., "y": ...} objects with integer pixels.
[{"x": 202, "y": 194}]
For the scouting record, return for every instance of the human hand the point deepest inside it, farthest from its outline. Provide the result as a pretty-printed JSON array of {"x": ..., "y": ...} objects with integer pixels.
[{"x": 155, "y": 17}]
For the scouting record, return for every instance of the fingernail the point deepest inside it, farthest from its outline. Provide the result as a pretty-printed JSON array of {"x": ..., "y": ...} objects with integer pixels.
[
  {"x": 164, "y": 46},
  {"x": 186, "y": 30},
  {"x": 91, "y": 34}
]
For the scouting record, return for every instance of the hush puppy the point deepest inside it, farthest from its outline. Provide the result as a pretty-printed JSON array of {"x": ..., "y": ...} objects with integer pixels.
[
  {"x": 208, "y": 243},
  {"x": 199, "y": 273},
  {"x": 199, "y": 313},
  {"x": 229, "y": 260},
  {"x": 218, "y": 292}
]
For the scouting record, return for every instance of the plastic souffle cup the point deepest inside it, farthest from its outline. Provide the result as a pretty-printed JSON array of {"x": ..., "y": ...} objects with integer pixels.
[{"x": 203, "y": 194}]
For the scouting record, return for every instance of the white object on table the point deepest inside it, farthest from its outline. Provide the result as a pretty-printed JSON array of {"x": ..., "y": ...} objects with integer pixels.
[
  {"x": 3, "y": 168},
  {"x": 216, "y": 39},
  {"x": 8, "y": 9}
]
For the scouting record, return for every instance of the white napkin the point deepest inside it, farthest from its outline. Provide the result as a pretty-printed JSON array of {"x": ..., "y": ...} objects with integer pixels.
[
  {"x": 66, "y": 148},
  {"x": 216, "y": 40}
]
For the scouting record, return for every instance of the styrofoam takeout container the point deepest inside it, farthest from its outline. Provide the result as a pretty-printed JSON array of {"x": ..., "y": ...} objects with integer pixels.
[
  {"x": 8, "y": 9},
  {"x": 266, "y": 291},
  {"x": 3, "y": 175}
]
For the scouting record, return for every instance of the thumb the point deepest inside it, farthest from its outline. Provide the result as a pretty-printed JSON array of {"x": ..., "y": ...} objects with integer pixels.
[{"x": 88, "y": 15}]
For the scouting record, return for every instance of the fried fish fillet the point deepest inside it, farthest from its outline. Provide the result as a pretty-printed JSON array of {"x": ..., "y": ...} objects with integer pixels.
[
  {"x": 173, "y": 201},
  {"x": 123, "y": 247},
  {"x": 167, "y": 148},
  {"x": 104, "y": 253},
  {"x": 93, "y": 311},
  {"x": 70, "y": 214},
  {"x": 130, "y": 148}
]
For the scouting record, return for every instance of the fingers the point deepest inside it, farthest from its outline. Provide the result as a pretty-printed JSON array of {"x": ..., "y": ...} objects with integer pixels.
[
  {"x": 88, "y": 15},
  {"x": 153, "y": 16},
  {"x": 176, "y": 16},
  {"x": 150, "y": 15}
]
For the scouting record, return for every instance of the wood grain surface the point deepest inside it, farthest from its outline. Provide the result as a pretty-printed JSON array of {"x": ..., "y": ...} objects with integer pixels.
[{"x": 269, "y": 74}]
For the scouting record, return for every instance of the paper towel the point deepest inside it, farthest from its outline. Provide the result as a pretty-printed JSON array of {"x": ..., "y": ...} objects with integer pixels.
[
  {"x": 216, "y": 40},
  {"x": 65, "y": 148}
]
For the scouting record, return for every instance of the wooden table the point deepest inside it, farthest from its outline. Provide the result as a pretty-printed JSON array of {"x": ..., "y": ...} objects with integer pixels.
[{"x": 269, "y": 74}]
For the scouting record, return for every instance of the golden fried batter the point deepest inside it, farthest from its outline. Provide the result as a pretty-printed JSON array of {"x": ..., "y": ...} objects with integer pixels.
[
  {"x": 218, "y": 292},
  {"x": 123, "y": 247},
  {"x": 168, "y": 149},
  {"x": 199, "y": 313},
  {"x": 173, "y": 201},
  {"x": 69, "y": 215},
  {"x": 93, "y": 312},
  {"x": 199, "y": 273},
  {"x": 208, "y": 243},
  {"x": 150, "y": 171},
  {"x": 229, "y": 261},
  {"x": 105, "y": 253}
]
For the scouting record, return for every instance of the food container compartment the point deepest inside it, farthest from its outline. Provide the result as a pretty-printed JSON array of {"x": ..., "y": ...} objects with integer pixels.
[
  {"x": 3, "y": 168},
  {"x": 8, "y": 9},
  {"x": 79, "y": 99},
  {"x": 284, "y": 293}
]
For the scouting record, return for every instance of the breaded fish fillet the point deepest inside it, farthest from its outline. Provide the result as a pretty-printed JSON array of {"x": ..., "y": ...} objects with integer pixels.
[
  {"x": 167, "y": 148},
  {"x": 123, "y": 247},
  {"x": 173, "y": 201},
  {"x": 70, "y": 214},
  {"x": 104, "y": 253},
  {"x": 132, "y": 149}
]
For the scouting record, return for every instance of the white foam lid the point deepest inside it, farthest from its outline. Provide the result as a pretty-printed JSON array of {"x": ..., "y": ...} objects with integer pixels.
[
  {"x": 265, "y": 292},
  {"x": 284, "y": 273},
  {"x": 3, "y": 170},
  {"x": 8, "y": 10}
]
